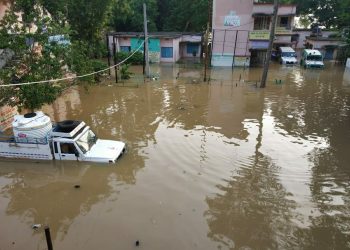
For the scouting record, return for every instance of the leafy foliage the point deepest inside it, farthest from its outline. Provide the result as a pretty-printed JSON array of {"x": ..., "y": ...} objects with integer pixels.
[
  {"x": 36, "y": 58},
  {"x": 98, "y": 65},
  {"x": 125, "y": 73},
  {"x": 136, "y": 59},
  {"x": 127, "y": 15},
  {"x": 182, "y": 18},
  {"x": 170, "y": 15},
  {"x": 87, "y": 18}
]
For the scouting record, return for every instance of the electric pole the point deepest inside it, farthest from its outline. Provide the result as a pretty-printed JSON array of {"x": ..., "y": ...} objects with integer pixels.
[
  {"x": 146, "y": 40},
  {"x": 269, "y": 50},
  {"x": 206, "y": 40}
]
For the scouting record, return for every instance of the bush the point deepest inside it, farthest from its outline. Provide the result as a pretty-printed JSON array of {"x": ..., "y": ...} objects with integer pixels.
[
  {"x": 98, "y": 65},
  {"x": 334, "y": 35},
  {"x": 124, "y": 71},
  {"x": 136, "y": 59}
]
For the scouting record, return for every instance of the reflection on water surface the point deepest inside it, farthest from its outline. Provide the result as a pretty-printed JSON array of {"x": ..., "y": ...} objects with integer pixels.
[{"x": 222, "y": 165}]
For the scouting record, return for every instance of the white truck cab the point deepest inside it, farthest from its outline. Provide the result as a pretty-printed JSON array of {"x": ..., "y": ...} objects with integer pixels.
[
  {"x": 312, "y": 58},
  {"x": 36, "y": 138},
  {"x": 74, "y": 140},
  {"x": 287, "y": 56}
]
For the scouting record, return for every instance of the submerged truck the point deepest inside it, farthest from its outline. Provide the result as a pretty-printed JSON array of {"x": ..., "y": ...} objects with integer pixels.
[
  {"x": 35, "y": 137},
  {"x": 312, "y": 58}
]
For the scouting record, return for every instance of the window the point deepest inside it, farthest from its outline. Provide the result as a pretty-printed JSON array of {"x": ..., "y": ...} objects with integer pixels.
[
  {"x": 125, "y": 48},
  {"x": 192, "y": 48},
  {"x": 68, "y": 148},
  {"x": 86, "y": 141},
  {"x": 55, "y": 146},
  {"x": 262, "y": 23},
  {"x": 284, "y": 22},
  {"x": 167, "y": 52}
]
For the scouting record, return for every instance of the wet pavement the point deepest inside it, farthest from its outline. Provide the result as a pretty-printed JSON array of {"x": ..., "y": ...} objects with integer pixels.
[{"x": 224, "y": 165}]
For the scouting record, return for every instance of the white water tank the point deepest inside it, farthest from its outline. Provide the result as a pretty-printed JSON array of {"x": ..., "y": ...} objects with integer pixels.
[
  {"x": 32, "y": 127},
  {"x": 348, "y": 63}
]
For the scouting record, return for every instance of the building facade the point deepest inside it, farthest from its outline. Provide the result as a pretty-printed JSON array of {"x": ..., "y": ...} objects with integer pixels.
[
  {"x": 241, "y": 31},
  {"x": 163, "y": 46},
  {"x": 3, "y": 8},
  {"x": 328, "y": 42}
]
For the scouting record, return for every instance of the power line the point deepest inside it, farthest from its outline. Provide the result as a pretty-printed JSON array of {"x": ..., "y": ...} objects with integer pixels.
[{"x": 74, "y": 77}]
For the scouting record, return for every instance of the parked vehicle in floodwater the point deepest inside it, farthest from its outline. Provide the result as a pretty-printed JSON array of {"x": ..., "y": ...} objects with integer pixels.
[
  {"x": 287, "y": 56},
  {"x": 36, "y": 138},
  {"x": 311, "y": 58}
]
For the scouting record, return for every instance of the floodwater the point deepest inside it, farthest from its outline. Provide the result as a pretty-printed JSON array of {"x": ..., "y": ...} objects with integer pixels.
[{"x": 223, "y": 165}]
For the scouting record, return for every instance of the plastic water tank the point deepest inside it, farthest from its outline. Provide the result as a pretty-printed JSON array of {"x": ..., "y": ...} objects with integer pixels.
[{"x": 32, "y": 127}]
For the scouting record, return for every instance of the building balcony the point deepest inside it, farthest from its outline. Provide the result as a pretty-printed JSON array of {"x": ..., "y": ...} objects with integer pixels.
[
  {"x": 283, "y": 31},
  {"x": 266, "y": 9}
]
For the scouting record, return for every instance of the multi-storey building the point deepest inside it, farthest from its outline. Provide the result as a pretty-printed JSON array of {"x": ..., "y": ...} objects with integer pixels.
[{"x": 241, "y": 31}]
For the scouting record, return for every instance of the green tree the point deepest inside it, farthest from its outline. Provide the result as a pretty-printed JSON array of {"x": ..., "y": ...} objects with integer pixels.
[
  {"x": 127, "y": 15},
  {"x": 182, "y": 18},
  {"x": 87, "y": 19},
  {"x": 36, "y": 58}
]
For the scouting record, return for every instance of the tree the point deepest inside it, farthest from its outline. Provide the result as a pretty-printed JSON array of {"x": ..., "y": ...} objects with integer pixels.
[
  {"x": 182, "y": 18},
  {"x": 87, "y": 19},
  {"x": 35, "y": 57},
  {"x": 170, "y": 15},
  {"x": 328, "y": 13},
  {"x": 127, "y": 15}
]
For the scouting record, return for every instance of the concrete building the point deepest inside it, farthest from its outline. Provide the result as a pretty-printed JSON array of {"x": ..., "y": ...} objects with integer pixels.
[
  {"x": 241, "y": 30},
  {"x": 326, "y": 41},
  {"x": 3, "y": 8},
  {"x": 163, "y": 46}
]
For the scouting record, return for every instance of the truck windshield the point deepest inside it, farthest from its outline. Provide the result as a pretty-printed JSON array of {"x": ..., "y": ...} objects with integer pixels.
[
  {"x": 289, "y": 54},
  {"x": 314, "y": 58},
  {"x": 86, "y": 141}
]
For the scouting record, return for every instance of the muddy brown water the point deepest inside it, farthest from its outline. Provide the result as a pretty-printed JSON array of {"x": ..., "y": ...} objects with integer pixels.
[{"x": 223, "y": 165}]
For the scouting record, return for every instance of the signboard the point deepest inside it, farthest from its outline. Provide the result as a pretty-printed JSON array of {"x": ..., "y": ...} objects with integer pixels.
[
  {"x": 241, "y": 61},
  {"x": 259, "y": 35},
  {"x": 232, "y": 20},
  {"x": 282, "y": 31},
  {"x": 219, "y": 60},
  {"x": 259, "y": 44}
]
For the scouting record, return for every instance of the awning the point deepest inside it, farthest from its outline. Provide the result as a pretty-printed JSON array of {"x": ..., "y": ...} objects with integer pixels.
[
  {"x": 261, "y": 14},
  {"x": 331, "y": 46},
  {"x": 259, "y": 45}
]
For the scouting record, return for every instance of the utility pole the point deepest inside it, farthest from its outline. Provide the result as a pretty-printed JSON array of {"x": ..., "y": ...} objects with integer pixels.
[
  {"x": 206, "y": 40},
  {"x": 115, "y": 60},
  {"x": 109, "y": 53},
  {"x": 146, "y": 40},
  {"x": 269, "y": 50}
]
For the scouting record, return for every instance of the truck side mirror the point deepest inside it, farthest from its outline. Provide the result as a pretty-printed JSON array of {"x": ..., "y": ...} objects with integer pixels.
[{"x": 76, "y": 154}]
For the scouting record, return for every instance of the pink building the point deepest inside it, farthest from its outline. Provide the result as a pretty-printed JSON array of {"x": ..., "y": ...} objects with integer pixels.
[
  {"x": 3, "y": 8},
  {"x": 241, "y": 31}
]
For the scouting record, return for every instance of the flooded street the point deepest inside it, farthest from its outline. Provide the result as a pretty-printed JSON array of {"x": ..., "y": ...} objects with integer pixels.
[{"x": 223, "y": 165}]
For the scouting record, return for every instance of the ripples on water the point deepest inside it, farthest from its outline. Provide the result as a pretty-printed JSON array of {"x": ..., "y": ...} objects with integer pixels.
[{"x": 222, "y": 165}]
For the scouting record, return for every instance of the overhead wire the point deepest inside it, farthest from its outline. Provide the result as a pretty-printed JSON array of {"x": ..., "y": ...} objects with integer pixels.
[{"x": 74, "y": 77}]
